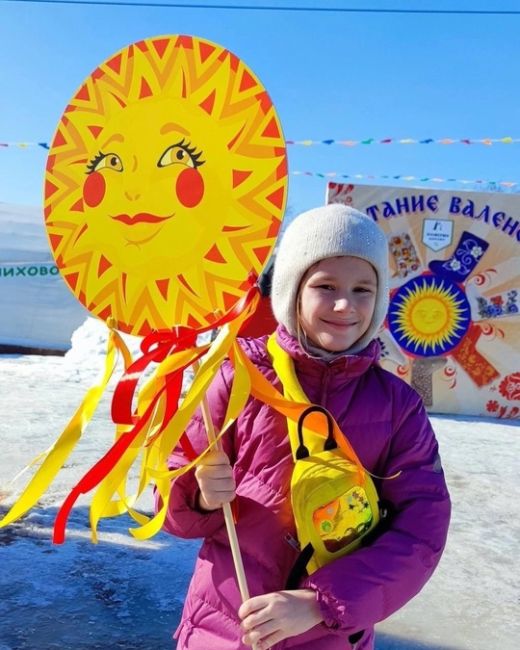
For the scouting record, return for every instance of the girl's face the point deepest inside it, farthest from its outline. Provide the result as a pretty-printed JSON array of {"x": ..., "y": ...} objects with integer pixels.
[{"x": 336, "y": 302}]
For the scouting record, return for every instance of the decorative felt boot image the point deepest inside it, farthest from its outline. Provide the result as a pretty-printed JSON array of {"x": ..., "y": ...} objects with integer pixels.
[{"x": 467, "y": 255}]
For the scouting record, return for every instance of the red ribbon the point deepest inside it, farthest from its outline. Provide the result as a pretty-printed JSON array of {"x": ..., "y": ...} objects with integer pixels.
[
  {"x": 98, "y": 471},
  {"x": 155, "y": 347}
]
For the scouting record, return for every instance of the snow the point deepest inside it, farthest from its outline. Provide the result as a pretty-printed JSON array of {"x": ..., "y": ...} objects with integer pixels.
[{"x": 129, "y": 594}]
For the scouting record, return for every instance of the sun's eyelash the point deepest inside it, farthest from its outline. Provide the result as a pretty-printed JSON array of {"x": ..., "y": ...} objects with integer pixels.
[
  {"x": 92, "y": 164},
  {"x": 191, "y": 150}
]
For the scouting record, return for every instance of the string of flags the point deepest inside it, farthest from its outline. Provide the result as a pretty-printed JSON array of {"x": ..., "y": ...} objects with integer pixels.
[
  {"x": 354, "y": 143},
  {"x": 338, "y": 175},
  {"x": 402, "y": 177},
  {"x": 25, "y": 145},
  {"x": 346, "y": 143}
]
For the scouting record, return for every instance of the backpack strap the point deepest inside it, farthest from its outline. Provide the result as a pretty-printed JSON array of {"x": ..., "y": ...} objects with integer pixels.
[
  {"x": 284, "y": 367},
  {"x": 328, "y": 444},
  {"x": 299, "y": 567}
]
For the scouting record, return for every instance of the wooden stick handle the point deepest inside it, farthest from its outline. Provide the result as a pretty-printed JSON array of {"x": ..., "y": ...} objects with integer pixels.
[{"x": 228, "y": 515}]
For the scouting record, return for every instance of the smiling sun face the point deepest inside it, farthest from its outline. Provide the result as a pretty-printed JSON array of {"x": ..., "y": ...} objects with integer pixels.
[
  {"x": 165, "y": 185},
  {"x": 155, "y": 207},
  {"x": 428, "y": 316}
]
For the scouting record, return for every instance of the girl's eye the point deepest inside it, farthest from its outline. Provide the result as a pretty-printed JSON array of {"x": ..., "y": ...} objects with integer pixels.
[
  {"x": 105, "y": 161},
  {"x": 363, "y": 290},
  {"x": 326, "y": 287},
  {"x": 181, "y": 154}
]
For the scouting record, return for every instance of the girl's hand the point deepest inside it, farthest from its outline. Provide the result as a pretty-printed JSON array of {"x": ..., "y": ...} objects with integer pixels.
[
  {"x": 214, "y": 476},
  {"x": 268, "y": 619}
]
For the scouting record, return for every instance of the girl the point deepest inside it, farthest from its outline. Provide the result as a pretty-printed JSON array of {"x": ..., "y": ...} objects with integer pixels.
[{"x": 329, "y": 296}]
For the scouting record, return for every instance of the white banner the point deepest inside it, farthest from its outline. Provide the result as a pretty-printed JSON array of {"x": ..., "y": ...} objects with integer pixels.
[{"x": 38, "y": 309}]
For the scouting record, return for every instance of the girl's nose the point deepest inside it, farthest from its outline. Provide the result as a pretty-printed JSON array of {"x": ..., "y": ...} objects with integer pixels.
[{"x": 341, "y": 304}]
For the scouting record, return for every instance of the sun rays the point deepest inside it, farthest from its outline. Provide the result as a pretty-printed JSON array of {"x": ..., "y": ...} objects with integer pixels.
[{"x": 429, "y": 316}]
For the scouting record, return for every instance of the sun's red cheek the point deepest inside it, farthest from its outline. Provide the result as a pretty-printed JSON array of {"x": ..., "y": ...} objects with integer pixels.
[
  {"x": 189, "y": 187},
  {"x": 94, "y": 189}
]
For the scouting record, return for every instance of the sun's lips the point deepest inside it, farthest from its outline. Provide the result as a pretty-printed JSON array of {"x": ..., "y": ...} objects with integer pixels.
[{"x": 140, "y": 217}]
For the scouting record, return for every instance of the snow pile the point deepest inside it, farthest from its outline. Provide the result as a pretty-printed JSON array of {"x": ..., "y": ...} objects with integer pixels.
[{"x": 89, "y": 347}]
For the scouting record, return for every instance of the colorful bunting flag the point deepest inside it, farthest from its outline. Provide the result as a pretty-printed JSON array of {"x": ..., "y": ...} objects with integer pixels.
[
  {"x": 346, "y": 143},
  {"x": 352, "y": 143},
  {"x": 407, "y": 178}
]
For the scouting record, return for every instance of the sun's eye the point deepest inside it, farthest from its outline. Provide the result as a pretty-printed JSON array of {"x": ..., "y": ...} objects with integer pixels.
[
  {"x": 181, "y": 153},
  {"x": 105, "y": 161}
]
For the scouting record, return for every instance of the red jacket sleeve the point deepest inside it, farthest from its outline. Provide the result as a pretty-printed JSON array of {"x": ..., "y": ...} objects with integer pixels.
[{"x": 365, "y": 587}]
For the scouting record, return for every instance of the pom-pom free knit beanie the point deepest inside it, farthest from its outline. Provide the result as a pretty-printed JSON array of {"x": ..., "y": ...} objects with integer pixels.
[{"x": 330, "y": 231}]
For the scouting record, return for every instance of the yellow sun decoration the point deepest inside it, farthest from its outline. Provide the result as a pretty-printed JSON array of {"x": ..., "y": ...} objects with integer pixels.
[{"x": 430, "y": 317}]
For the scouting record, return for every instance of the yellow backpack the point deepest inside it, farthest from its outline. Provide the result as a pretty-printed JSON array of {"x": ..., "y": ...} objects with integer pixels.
[{"x": 334, "y": 505}]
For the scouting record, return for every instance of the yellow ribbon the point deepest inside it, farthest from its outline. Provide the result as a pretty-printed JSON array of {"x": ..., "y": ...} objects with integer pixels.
[
  {"x": 101, "y": 505},
  {"x": 156, "y": 445},
  {"x": 66, "y": 442}
]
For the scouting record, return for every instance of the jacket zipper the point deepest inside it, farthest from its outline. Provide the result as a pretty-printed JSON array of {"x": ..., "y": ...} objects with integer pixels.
[{"x": 324, "y": 387}]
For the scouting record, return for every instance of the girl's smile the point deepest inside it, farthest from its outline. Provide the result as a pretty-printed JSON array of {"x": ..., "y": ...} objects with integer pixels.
[{"x": 337, "y": 301}]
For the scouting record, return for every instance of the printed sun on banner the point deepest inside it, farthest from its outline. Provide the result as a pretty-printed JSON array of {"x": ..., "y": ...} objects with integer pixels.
[
  {"x": 452, "y": 324},
  {"x": 166, "y": 183}
]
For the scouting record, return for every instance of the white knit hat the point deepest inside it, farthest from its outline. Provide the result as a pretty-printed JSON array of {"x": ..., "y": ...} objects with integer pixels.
[{"x": 331, "y": 231}]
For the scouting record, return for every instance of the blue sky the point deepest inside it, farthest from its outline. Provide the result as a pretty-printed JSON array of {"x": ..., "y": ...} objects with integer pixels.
[{"x": 340, "y": 76}]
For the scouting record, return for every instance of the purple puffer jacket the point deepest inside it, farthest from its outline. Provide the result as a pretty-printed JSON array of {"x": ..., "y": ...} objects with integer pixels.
[{"x": 388, "y": 427}]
